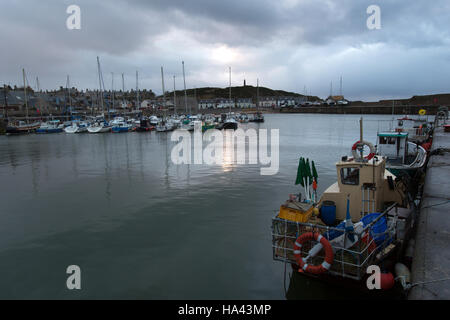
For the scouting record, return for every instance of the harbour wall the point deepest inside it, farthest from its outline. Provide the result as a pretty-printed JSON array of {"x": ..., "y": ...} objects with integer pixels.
[
  {"x": 431, "y": 262},
  {"x": 360, "y": 109}
]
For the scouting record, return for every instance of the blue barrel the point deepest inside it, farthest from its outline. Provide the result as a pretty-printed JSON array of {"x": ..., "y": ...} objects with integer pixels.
[
  {"x": 377, "y": 231},
  {"x": 328, "y": 213}
]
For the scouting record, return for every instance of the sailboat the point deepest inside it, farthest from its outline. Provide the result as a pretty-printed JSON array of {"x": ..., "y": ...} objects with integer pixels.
[
  {"x": 22, "y": 127},
  {"x": 257, "y": 117},
  {"x": 101, "y": 126}
]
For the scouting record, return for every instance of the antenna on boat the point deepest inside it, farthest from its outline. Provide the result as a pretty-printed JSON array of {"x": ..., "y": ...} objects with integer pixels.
[
  {"x": 361, "y": 135},
  {"x": 163, "y": 89}
]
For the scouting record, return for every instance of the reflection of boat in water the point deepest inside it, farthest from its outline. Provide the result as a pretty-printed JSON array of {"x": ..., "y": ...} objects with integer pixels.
[
  {"x": 364, "y": 219},
  {"x": 402, "y": 156}
]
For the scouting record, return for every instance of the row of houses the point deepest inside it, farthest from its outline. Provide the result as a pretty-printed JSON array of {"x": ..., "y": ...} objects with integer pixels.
[{"x": 243, "y": 103}]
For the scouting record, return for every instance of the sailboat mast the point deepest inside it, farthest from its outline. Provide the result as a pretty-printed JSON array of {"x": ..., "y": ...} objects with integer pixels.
[
  {"x": 185, "y": 95},
  {"x": 112, "y": 89},
  {"x": 123, "y": 91},
  {"x": 68, "y": 91},
  {"x": 100, "y": 84},
  {"x": 174, "y": 97},
  {"x": 5, "y": 109},
  {"x": 25, "y": 94},
  {"x": 163, "y": 89},
  {"x": 230, "y": 88},
  {"x": 137, "y": 91},
  {"x": 257, "y": 94},
  {"x": 39, "y": 95}
]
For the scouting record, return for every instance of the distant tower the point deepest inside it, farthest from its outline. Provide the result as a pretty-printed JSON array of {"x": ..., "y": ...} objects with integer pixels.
[{"x": 244, "y": 82}]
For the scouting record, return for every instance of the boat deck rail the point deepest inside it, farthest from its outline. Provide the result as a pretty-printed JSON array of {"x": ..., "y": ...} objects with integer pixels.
[{"x": 350, "y": 262}]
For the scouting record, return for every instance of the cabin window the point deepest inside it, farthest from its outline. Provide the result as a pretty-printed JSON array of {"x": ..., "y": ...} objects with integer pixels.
[
  {"x": 350, "y": 176},
  {"x": 387, "y": 140}
]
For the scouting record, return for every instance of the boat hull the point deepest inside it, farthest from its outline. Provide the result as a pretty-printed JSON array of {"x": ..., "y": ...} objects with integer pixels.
[
  {"x": 49, "y": 130},
  {"x": 98, "y": 129},
  {"x": 119, "y": 129}
]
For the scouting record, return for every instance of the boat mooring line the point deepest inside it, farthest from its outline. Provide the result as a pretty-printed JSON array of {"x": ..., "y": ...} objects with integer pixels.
[{"x": 436, "y": 204}]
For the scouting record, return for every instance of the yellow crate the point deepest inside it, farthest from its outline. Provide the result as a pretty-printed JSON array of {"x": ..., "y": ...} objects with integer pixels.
[{"x": 295, "y": 215}]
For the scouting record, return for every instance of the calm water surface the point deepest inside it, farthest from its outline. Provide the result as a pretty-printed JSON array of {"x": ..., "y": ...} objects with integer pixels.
[{"x": 141, "y": 227}]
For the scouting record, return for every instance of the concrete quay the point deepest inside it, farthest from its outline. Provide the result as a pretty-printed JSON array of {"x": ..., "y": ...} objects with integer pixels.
[{"x": 430, "y": 274}]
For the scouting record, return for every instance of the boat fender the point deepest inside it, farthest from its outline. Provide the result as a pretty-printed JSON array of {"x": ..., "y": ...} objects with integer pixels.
[
  {"x": 359, "y": 144},
  {"x": 302, "y": 262},
  {"x": 387, "y": 281}
]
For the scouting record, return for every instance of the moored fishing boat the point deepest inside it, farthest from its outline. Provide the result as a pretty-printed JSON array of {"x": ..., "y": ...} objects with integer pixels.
[
  {"x": 402, "y": 156},
  {"x": 21, "y": 127},
  {"x": 144, "y": 126},
  {"x": 119, "y": 125},
  {"x": 52, "y": 126},
  {"x": 362, "y": 220}
]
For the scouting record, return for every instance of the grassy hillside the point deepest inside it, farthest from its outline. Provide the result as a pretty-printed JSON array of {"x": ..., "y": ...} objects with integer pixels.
[{"x": 236, "y": 92}]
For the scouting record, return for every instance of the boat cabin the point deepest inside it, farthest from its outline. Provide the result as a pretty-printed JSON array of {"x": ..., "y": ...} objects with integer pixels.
[
  {"x": 393, "y": 146},
  {"x": 369, "y": 186}
]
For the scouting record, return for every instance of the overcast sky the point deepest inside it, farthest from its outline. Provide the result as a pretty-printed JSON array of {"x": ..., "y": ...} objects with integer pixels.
[{"x": 287, "y": 44}]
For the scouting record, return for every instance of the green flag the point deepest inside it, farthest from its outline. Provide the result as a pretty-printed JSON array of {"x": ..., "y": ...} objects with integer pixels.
[{"x": 314, "y": 171}]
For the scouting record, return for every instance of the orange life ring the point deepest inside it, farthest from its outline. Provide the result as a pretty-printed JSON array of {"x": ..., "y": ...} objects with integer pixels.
[
  {"x": 329, "y": 255},
  {"x": 369, "y": 156}
]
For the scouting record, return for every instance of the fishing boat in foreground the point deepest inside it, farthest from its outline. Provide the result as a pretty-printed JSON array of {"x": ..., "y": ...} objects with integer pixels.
[{"x": 364, "y": 219}]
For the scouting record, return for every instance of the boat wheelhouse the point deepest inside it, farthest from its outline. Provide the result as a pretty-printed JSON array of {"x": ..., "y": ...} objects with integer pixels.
[{"x": 402, "y": 156}]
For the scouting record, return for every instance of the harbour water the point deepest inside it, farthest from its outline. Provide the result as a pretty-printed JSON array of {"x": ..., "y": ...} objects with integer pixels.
[{"x": 141, "y": 227}]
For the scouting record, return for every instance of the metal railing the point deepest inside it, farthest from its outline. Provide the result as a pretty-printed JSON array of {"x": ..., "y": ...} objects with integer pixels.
[{"x": 348, "y": 262}]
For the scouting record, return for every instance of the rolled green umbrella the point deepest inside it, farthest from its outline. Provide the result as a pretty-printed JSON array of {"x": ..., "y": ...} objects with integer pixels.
[{"x": 300, "y": 170}]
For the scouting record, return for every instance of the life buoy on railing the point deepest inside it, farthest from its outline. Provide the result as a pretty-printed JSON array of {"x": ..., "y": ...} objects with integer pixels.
[
  {"x": 302, "y": 262},
  {"x": 355, "y": 154}
]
